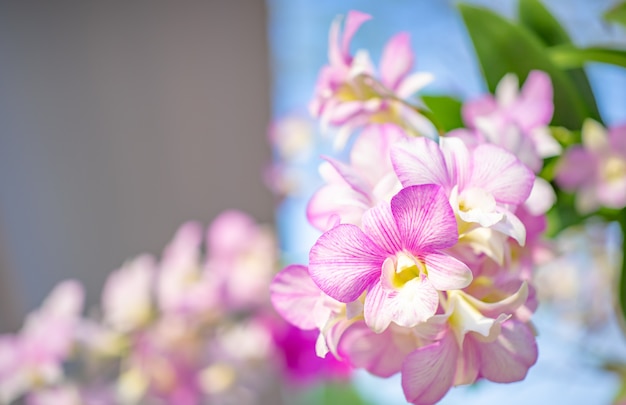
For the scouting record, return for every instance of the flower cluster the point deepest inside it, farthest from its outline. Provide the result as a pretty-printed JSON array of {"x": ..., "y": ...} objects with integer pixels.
[
  {"x": 190, "y": 329},
  {"x": 424, "y": 265}
]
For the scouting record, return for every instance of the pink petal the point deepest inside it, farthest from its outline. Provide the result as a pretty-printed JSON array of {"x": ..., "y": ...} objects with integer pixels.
[
  {"x": 228, "y": 233},
  {"x": 295, "y": 296},
  {"x": 535, "y": 106},
  {"x": 333, "y": 201},
  {"x": 414, "y": 302},
  {"x": 468, "y": 365},
  {"x": 577, "y": 166},
  {"x": 344, "y": 262},
  {"x": 420, "y": 161},
  {"x": 428, "y": 372},
  {"x": 425, "y": 218},
  {"x": 397, "y": 60},
  {"x": 354, "y": 20},
  {"x": 351, "y": 176},
  {"x": 374, "y": 145},
  {"x": 506, "y": 306},
  {"x": 457, "y": 157},
  {"x": 447, "y": 273},
  {"x": 336, "y": 201},
  {"x": 478, "y": 108},
  {"x": 617, "y": 139},
  {"x": 380, "y": 225},
  {"x": 509, "y": 357},
  {"x": 501, "y": 174},
  {"x": 413, "y": 83},
  {"x": 381, "y": 354}
]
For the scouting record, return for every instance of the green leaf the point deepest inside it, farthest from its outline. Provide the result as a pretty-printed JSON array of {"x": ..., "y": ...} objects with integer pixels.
[
  {"x": 568, "y": 56},
  {"x": 447, "y": 111},
  {"x": 534, "y": 16},
  {"x": 617, "y": 14},
  {"x": 537, "y": 18},
  {"x": 503, "y": 47},
  {"x": 332, "y": 394}
]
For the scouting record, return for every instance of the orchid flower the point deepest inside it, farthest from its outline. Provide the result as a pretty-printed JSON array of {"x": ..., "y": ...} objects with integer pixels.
[
  {"x": 35, "y": 356},
  {"x": 516, "y": 121},
  {"x": 596, "y": 170},
  {"x": 475, "y": 340},
  {"x": 353, "y": 188},
  {"x": 398, "y": 258},
  {"x": 484, "y": 184},
  {"x": 348, "y": 95}
]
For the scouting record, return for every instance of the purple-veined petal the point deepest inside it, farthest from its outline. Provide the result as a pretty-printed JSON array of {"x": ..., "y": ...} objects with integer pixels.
[
  {"x": 295, "y": 296},
  {"x": 380, "y": 225},
  {"x": 381, "y": 354},
  {"x": 425, "y": 218},
  {"x": 352, "y": 178},
  {"x": 335, "y": 201},
  {"x": 508, "y": 358},
  {"x": 428, "y": 372},
  {"x": 447, "y": 273},
  {"x": 457, "y": 157},
  {"x": 420, "y": 161},
  {"x": 501, "y": 174},
  {"x": 344, "y": 262},
  {"x": 397, "y": 60},
  {"x": 468, "y": 366},
  {"x": 414, "y": 302},
  {"x": 374, "y": 145}
]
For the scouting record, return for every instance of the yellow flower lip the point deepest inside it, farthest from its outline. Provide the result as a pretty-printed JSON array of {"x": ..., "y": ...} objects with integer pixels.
[{"x": 407, "y": 268}]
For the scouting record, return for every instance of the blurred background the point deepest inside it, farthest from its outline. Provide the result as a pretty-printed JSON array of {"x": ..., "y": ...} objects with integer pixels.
[
  {"x": 118, "y": 122},
  {"x": 121, "y": 120}
]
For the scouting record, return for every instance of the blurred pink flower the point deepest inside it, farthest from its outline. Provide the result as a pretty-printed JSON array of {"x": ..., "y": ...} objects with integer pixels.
[
  {"x": 515, "y": 121},
  {"x": 242, "y": 258},
  {"x": 596, "y": 170},
  {"x": 348, "y": 95},
  {"x": 34, "y": 357}
]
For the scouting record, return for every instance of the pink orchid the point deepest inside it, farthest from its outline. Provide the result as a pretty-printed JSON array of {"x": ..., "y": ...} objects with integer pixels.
[
  {"x": 596, "y": 170},
  {"x": 127, "y": 297},
  {"x": 241, "y": 260},
  {"x": 484, "y": 184},
  {"x": 301, "y": 303},
  {"x": 515, "y": 121},
  {"x": 352, "y": 189},
  {"x": 164, "y": 364},
  {"x": 182, "y": 287},
  {"x": 35, "y": 355},
  {"x": 397, "y": 258},
  {"x": 300, "y": 361},
  {"x": 475, "y": 340},
  {"x": 348, "y": 95}
]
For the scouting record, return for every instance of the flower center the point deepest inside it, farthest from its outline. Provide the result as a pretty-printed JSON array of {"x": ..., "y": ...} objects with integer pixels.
[{"x": 407, "y": 268}]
